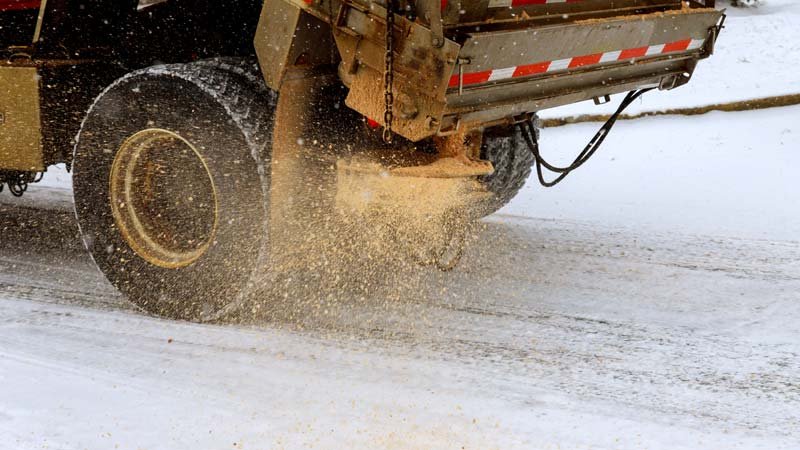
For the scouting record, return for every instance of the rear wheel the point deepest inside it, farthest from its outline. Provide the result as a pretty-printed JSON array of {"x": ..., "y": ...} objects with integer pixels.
[
  {"x": 171, "y": 187},
  {"x": 506, "y": 149}
]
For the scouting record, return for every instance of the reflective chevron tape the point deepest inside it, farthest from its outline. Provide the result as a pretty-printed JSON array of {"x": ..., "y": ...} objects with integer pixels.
[{"x": 575, "y": 62}]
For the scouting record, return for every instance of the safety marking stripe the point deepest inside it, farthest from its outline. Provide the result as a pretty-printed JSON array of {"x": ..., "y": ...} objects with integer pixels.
[{"x": 575, "y": 62}]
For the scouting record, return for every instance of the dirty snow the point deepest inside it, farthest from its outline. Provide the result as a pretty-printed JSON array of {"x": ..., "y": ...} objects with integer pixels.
[{"x": 649, "y": 302}]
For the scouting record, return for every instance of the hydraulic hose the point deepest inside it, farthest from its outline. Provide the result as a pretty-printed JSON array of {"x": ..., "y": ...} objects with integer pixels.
[{"x": 529, "y": 133}]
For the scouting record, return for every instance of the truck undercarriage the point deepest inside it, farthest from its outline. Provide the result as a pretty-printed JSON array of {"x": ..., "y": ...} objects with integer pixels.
[{"x": 194, "y": 128}]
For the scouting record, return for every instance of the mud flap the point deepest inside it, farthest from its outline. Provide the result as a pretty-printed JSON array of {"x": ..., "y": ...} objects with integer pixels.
[{"x": 20, "y": 127}]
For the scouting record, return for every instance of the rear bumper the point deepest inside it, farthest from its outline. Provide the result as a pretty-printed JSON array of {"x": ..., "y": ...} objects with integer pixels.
[
  {"x": 507, "y": 74},
  {"x": 498, "y": 65}
]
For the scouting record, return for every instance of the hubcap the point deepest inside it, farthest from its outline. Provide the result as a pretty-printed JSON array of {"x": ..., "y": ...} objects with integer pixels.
[{"x": 163, "y": 198}]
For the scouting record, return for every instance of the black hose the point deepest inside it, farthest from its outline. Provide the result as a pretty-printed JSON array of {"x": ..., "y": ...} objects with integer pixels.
[{"x": 529, "y": 133}]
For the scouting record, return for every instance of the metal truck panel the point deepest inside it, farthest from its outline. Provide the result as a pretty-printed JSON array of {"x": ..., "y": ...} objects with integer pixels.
[
  {"x": 20, "y": 124},
  {"x": 274, "y": 37},
  {"x": 509, "y": 73},
  {"x": 580, "y": 44},
  {"x": 287, "y": 36},
  {"x": 472, "y": 62},
  {"x": 423, "y": 66},
  {"x": 550, "y": 11},
  {"x": 499, "y": 102},
  {"x": 421, "y": 76}
]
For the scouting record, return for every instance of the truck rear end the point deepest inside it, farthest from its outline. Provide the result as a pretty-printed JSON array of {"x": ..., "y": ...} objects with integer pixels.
[
  {"x": 462, "y": 80},
  {"x": 390, "y": 123},
  {"x": 459, "y": 65}
]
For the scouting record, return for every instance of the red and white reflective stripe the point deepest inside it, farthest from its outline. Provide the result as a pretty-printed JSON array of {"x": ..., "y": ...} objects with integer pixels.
[
  {"x": 520, "y": 3},
  {"x": 575, "y": 62}
]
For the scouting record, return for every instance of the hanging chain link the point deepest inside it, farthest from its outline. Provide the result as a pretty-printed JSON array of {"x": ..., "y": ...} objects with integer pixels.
[
  {"x": 388, "y": 74},
  {"x": 17, "y": 181}
]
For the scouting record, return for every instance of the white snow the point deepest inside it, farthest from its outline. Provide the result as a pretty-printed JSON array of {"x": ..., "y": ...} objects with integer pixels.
[
  {"x": 650, "y": 301},
  {"x": 724, "y": 174},
  {"x": 757, "y": 55},
  {"x": 56, "y": 177}
]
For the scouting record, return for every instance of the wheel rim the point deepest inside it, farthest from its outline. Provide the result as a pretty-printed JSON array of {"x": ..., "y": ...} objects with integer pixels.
[{"x": 163, "y": 198}]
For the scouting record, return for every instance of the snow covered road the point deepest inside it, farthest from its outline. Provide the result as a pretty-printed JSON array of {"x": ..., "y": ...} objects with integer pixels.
[{"x": 595, "y": 327}]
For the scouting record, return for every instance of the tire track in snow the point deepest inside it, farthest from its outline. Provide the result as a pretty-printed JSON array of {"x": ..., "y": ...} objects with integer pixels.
[{"x": 661, "y": 326}]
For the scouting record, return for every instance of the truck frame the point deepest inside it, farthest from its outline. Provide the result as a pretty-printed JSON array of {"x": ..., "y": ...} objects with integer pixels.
[{"x": 192, "y": 127}]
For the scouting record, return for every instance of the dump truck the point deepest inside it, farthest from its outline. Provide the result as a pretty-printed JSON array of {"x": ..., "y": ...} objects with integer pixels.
[{"x": 192, "y": 127}]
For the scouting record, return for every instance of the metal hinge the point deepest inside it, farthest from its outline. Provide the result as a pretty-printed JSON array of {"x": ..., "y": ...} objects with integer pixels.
[{"x": 461, "y": 62}]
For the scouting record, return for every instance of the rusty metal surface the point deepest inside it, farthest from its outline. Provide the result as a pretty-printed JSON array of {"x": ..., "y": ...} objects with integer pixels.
[
  {"x": 20, "y": 122},
  {"x": 288, "y": 36},
  {"x": 422, "y": 70},
  {"x": 562, "y": 91},
  {"x": 274, "y": 37},
  {"x": 417, "y": 115}
]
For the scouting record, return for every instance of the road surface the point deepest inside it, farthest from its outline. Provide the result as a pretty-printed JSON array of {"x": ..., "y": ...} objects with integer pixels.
[{"x": 552, "y": 333}]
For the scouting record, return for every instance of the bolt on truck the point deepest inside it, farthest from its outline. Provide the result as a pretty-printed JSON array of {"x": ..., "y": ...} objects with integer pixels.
[{"x": 187, "y": 124}]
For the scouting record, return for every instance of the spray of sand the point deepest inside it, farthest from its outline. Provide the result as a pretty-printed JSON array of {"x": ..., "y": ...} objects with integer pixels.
[{"x": 349, "y": 242}]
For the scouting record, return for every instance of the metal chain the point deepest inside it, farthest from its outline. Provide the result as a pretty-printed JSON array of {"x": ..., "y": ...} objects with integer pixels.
[
  {"x": 18, "y": 182},
  {"x": 388, "y": 74}
]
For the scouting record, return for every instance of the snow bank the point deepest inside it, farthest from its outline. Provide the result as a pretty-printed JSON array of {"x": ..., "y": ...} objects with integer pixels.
[{"x": 733, "y": 174}]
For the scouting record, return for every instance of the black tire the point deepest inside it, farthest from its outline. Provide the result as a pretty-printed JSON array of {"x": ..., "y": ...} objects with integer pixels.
[
  {"x": 226, "y": 118},
  {"x": 245, "y": 69},
  {"x": 506, "y": 149}
]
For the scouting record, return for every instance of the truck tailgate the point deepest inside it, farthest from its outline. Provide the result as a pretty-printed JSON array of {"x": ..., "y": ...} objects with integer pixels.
[{"x": 502, "y": 73}]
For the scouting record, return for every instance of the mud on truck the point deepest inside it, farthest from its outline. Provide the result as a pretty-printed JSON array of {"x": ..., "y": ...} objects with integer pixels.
[{"x": 190, "y": 126}]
